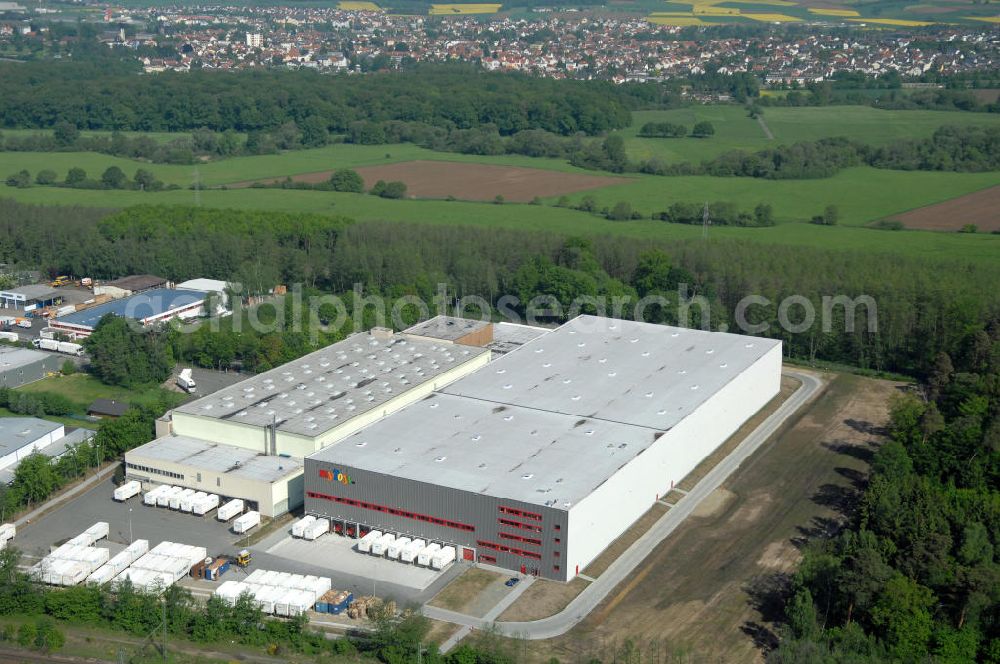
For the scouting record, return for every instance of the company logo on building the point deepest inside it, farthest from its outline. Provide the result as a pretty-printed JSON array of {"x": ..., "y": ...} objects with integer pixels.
[{"x": 336, "y": 475}]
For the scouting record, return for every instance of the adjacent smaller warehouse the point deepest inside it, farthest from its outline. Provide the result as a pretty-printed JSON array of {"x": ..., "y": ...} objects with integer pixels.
[
  {"x": 53, "y": 450},
  {"x": 271, "y": 484},
  {"x": 29, "y": 298},
  {"x": 131, "y": 285},
  {"x": 149, "y": 308},
  {"x": 20, "y": 366},
  {"x": 20, "y": 436}
]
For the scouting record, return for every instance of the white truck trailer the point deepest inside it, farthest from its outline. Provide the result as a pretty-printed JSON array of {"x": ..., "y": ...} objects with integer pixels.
[
  {"x": 128, "y": 490},
  {"x": 245, "y": 522},
  {"x": 229, "y": 510}
]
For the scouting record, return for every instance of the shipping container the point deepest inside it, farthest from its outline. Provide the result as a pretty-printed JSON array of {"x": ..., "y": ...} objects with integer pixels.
[
  {"x": 426, "y": 554},
  {"x": 443, "y": 558},
  {"x": 365, "y": 543},
  {"x": 216, "y": 569},
  {"x": 205, "y": 505},
  {"x": 229, "y": 510},
  {"x": 175, "y": 500},
  {"x": 410, "y": 552},
  {"x": 128, "y": 490},
  {"x": 163, "y": 499},
  {"x": 396, "y": 548},
  {"x": 149, "y": 498},
  {"x": 299, "y": 527},
  {"x": 246, "y": 522},
  {"x": 316, "y": 529}
]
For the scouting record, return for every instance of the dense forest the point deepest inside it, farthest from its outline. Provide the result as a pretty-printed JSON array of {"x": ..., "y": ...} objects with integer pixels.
[
  {"x": 40, "y": 95},
  {"x": 916, "y": 576},
  {"x": 923, "y": 308}
]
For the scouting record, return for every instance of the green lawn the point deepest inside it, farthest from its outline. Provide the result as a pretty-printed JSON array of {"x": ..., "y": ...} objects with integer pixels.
[
  {"x": 83, "y": 389},
  {"x": 735, "y": 130}
]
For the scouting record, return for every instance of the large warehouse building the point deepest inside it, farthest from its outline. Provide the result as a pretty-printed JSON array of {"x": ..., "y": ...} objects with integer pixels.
[
  {"x": 540, "y": 460},
  {"x": 274, "y": 419},
  {"x": 148, "y": 308}
]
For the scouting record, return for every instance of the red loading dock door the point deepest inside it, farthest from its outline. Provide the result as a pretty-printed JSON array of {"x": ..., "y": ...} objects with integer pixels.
[{"x": 468, "y": 554}]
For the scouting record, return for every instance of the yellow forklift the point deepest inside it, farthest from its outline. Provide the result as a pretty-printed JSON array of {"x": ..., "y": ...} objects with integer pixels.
[{"x": 243, "y": 558}]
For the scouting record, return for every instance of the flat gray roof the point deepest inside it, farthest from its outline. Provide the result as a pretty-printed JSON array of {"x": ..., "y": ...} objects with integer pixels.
[
  {"x": 551, "y": 421},
  {"x": 322, "y": 390},
  {"x": 622, "y": 371},
  {"x": 509, "y": 337},
  {"x": 12, "y": 357},
  {"x": 217, "y": 458},
  {"x": 511, "y": 452},
  {"x": 16, "y": 432},
  {"x": 446, "y": 328},
  {"x": 34, "y": 291}
]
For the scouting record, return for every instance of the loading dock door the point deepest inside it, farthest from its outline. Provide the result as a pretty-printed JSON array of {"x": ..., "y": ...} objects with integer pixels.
[{"x": 468, "y": 554}]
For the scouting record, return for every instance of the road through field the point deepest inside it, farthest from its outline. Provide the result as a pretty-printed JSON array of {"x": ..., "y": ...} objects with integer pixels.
[{"x": 626, "y": 564}]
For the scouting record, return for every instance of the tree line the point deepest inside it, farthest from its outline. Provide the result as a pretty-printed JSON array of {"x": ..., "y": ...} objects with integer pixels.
[
  {"x": 922, "y": 305},
  {"x": 41, "y": 95},
  {"x": 916, "y": 574},
  {"x": 113, "y": 177}
]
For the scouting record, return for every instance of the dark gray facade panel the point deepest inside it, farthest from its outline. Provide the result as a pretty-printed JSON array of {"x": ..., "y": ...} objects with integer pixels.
[
  {"x": 418, "y": 499},
  {"x": 29, "y": 373}
]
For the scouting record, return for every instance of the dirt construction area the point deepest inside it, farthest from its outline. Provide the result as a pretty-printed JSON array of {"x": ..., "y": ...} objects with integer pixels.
[
  {"x": 706, "y": 593},
  {"x": 981, "y": 208}
]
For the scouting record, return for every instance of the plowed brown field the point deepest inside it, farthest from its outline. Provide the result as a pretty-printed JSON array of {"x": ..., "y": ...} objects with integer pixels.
[{"x": 981, "y": 208}]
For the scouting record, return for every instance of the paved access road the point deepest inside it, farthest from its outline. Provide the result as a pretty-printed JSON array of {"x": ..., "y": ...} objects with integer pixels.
[{"x": 626, "y": 564}]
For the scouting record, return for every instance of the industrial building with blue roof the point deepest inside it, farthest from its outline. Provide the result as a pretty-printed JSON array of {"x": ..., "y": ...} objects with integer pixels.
[{"x": 150, "y": 307}]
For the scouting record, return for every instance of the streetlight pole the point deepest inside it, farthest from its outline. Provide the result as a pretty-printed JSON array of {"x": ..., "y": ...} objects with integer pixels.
[{"x": 130, "y": 540}]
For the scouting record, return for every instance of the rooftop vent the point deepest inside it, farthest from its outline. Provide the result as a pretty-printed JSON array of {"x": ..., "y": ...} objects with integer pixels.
[
  {"x": 440, "y": 459},
  {"x": 694, "y": 387},
  {"x": 361, "y": 443},
  {"x": 501, "y": 371},
  {"x": 527, "y": 476}
]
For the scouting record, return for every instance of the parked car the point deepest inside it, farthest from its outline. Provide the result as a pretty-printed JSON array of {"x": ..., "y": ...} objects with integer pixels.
[{"x": 512, "y": 581}]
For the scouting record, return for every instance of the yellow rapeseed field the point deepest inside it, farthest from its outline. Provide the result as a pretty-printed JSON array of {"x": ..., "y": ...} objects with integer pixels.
[
  {"x": 772, "y": 18},
  {"x": 834, "y": 12},
  {"x": 444, "y": 10},
  {"x": 985, "y": 19},
  {"x": 893, "y": 21},
  {"x": 679, "y": 20},
  {"x": 357, "y": 6}
]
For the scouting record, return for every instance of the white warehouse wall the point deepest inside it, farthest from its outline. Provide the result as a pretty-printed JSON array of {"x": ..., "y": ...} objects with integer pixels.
[
  {"x": 609, "y": 510},
  {"x": 26, "y": 450}
]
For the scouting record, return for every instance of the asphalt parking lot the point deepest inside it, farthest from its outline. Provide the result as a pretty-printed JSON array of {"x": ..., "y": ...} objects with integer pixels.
[{"x": 330, "y": 556}]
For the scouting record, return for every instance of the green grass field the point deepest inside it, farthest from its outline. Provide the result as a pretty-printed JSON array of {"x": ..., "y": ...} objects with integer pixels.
[
  {"x": 83, "y": 389},
  {"x": 861, "y": 194},
  {"x": 239, "y": 169},
  {"x": 974, "y": 248},
  {"x": 735, "y": 130}
]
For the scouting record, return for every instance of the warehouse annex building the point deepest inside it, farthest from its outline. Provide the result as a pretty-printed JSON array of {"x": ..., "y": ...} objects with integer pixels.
[
  {"x": 20, "y": 366},
  {"x": 540, "y": 460},
  {"x": 272, "y": 420}
]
